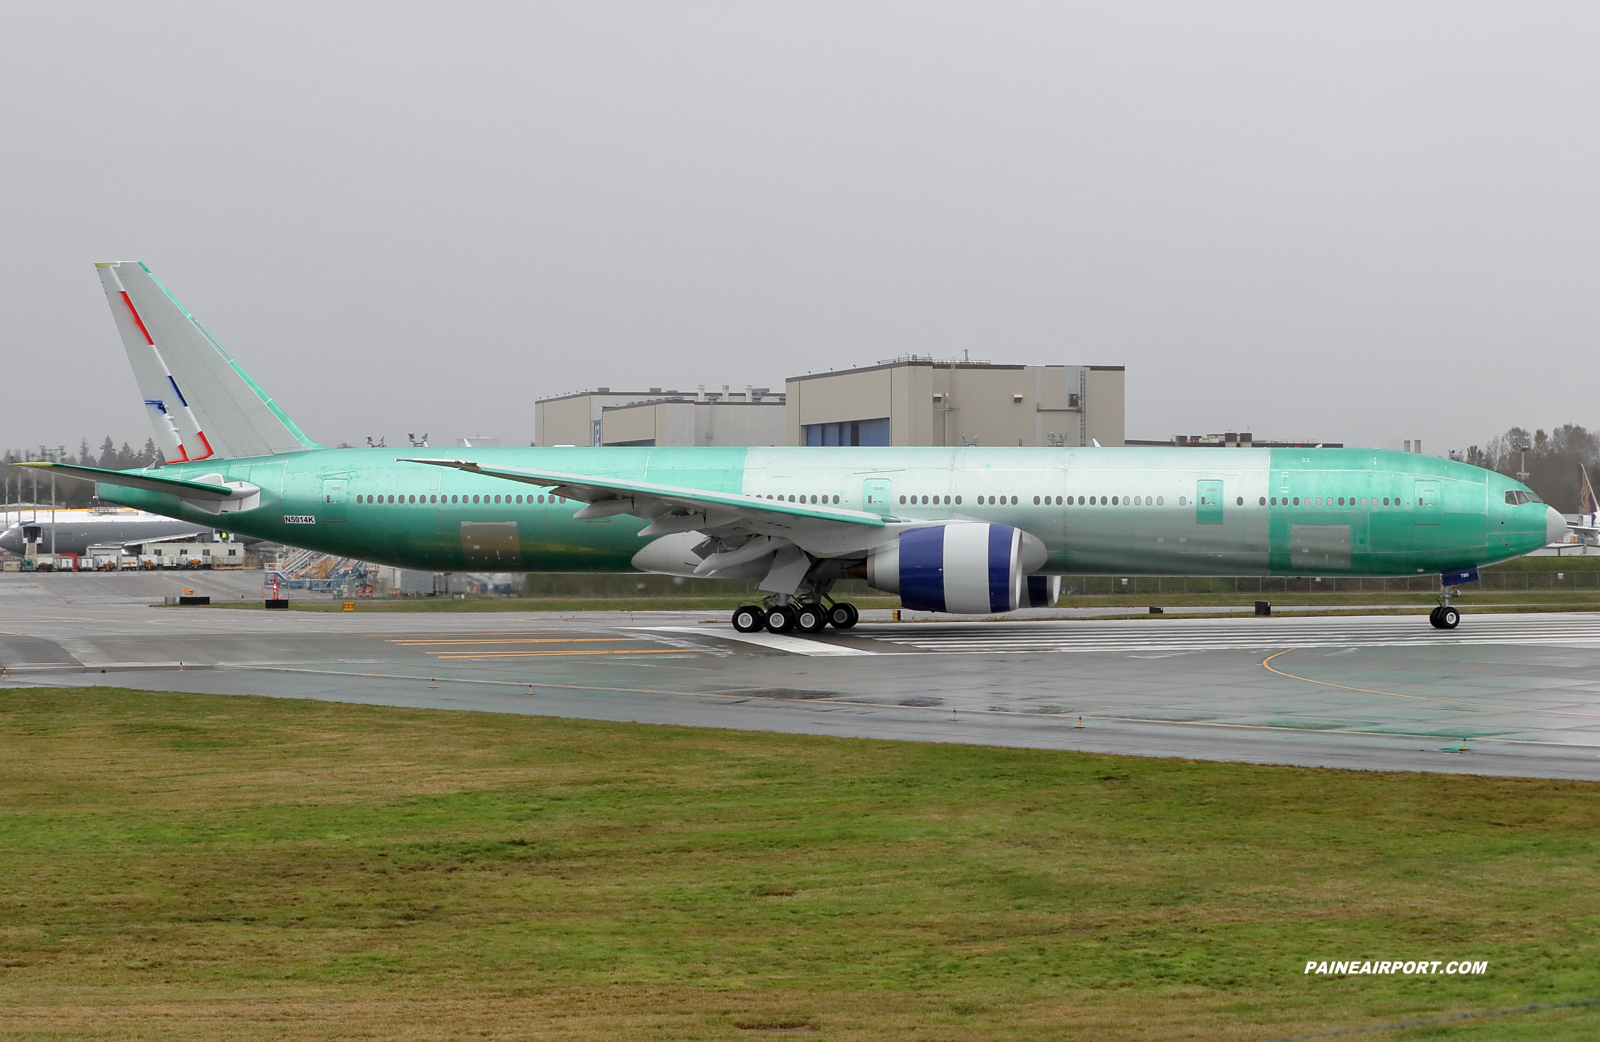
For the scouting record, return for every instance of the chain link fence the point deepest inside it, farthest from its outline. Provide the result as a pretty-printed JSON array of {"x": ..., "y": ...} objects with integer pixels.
[{"x": 1090, "y": 585}]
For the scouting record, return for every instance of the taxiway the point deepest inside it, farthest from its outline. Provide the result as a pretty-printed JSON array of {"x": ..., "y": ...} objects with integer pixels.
[{"x": 1512, "y": 694}]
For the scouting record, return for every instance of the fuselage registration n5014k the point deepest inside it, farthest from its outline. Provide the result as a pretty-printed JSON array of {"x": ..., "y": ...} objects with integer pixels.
[{"x": 961, "y": 530}]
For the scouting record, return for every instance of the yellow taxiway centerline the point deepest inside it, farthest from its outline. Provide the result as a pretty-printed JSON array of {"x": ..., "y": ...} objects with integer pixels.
[
  {"x": 531, "y": 654},
  {"x": 514, "y": 640}
]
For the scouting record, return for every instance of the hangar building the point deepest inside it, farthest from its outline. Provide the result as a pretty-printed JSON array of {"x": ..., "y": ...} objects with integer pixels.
[
  {"x": 912, "y": 400},
  {"x": 657, "y": 417},
  {"x": 917, "y": 400}
]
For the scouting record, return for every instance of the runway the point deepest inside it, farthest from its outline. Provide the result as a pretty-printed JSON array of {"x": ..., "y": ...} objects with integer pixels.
[{"x": 1512, "y": 694}]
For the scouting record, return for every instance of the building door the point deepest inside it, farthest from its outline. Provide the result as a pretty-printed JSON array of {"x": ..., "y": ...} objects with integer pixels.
[
  {"x": 491, "y": 545},
  {"x": 1208, "y": 503},
  {"x": 876, "y": 496},
  {"x": 333, "y": 500}
]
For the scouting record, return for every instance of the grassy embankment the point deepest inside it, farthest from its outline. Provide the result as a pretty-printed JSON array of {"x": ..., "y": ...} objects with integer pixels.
[{"x": 201, "y": 867}]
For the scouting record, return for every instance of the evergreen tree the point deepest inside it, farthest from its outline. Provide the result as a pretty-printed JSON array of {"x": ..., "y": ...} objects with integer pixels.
[
  {"x": 84, "y": 459},
  {"x": 108, "y": 455},
  {"x": 127, "y": 459}
]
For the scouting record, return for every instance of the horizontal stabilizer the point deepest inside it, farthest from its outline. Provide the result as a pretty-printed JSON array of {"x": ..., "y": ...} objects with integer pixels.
[{"x": 194, "y": 490}]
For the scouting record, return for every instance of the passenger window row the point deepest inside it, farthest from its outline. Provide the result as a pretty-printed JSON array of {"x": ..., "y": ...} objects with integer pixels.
[
  {"x": 1328, "y": 501},
  {"x": 822, "y": 500},
  {"x": 453, "y": 499},
  {"x": 1126, "y": 501}
]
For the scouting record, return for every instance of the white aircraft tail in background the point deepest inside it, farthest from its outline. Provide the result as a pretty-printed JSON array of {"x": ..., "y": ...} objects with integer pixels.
[{"x": 1588, "y": 524}]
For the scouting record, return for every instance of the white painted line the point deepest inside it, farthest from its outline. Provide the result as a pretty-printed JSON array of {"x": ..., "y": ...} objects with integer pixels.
[{"x": 775, "y": 641}]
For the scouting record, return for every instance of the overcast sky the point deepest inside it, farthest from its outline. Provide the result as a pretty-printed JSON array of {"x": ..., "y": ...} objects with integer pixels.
[{"x": 1353, "y": 222}]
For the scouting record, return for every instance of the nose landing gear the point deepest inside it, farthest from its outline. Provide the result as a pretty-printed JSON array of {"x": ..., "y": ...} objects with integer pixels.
[{"x": 1445, "y": 617}]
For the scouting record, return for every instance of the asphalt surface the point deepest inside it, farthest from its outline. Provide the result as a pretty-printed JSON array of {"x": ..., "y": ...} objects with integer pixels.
[{"x": 1512, "y": 694}]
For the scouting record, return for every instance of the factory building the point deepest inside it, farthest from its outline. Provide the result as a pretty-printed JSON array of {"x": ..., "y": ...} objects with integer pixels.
[
  {"x": 656, "y": 417},
  {"x": 915, "y": 400},
  {"x": 1236, "y": 440}
]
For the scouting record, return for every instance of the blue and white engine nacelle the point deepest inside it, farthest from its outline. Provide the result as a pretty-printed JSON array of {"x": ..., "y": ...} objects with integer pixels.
[{"x": 965, "y": 568}]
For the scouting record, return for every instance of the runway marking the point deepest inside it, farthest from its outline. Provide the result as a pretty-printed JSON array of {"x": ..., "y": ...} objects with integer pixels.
[
  {"x": 915, "y": 709},
  {"x": 1195, "y": 635},
  {"x": 1267, "y": 662},
  {"x": 775, "y": 641}
]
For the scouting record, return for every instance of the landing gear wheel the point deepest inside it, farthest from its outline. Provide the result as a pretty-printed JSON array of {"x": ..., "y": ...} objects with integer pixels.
[
  {"x": 1449, "y": 619},
  {"x": 779, "y": 619},
  {"x": 842, "y": 616},
  {"x": 748, "y": 619},
  {"x": 1433, "y": 619},
  {"x": 809, "y": 618}
]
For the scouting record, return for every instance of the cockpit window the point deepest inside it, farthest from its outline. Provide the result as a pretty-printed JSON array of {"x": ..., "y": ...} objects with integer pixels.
[{"x": 1517, "y": 498}]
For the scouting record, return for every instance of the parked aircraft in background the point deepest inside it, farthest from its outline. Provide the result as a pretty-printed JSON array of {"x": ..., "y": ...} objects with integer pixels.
[
  {"x": 963, "y": 530},
  {"x": 74, "y": 531}
]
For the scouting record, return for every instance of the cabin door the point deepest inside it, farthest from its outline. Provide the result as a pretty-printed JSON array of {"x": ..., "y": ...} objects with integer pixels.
[
  {"x": 875, "y": 496},
  {"x": 334, "y": 495},
  {"x": 1426, "y": 502},
  {"x": 1208, "y": 503}
]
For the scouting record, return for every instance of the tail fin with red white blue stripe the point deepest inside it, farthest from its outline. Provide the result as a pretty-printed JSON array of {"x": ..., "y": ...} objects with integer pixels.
[{"x": 201, "y": 403}]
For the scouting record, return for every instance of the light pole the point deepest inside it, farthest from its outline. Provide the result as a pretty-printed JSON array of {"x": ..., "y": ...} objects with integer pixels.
[{"x": 1522, "y": 445}]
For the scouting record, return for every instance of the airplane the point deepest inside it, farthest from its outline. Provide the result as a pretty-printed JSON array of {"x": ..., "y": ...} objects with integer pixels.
[
  {"x": 74, "y": 531},
  {"x": 1588, "y": 524},
  {"x": 968, "y": 530}
]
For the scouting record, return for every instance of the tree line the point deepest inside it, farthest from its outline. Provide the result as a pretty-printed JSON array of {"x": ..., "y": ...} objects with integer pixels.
[
  {"x": 19, "y": 484},
  {"x": 1553, "y": 460}
]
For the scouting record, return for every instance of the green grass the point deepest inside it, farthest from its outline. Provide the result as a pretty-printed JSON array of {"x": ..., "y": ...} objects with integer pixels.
[{"x": 187, "y": 866}]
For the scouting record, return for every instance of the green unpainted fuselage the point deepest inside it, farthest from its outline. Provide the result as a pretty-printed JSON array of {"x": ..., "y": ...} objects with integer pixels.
[{"x": 1155, "y": 511}]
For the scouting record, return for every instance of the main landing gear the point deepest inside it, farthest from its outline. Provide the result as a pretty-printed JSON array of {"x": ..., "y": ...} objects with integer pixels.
[{"x": 795, "y": 616}]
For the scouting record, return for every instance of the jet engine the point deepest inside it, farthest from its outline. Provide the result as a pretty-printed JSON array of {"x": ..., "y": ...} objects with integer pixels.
[{"x": 965, "y": 568}]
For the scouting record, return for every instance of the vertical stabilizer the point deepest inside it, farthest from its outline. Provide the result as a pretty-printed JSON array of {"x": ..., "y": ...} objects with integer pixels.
[
  {"x": 201, "y": 394},
  {"x": 161, "y": 398}
]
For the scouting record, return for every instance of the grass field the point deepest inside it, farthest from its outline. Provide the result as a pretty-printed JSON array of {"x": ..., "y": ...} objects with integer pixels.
[{"x": 201, "y": 867}]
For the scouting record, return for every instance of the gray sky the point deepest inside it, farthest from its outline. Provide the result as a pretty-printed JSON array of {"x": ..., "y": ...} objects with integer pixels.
[{"x": 1355, "y": 222}]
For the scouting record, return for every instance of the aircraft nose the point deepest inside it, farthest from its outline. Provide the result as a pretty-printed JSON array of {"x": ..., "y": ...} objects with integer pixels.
[{"x": 1555, "y": 526}]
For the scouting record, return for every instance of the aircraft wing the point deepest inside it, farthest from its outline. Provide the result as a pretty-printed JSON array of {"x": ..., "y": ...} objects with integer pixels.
[
  {"x": 671, "y": 508},
  {"x": 203, "y": 490}
]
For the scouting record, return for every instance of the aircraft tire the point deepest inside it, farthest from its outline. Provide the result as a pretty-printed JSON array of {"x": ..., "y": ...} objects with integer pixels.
[
  {"x": 810, "y": 618},
  {"x": 842, "y": 616},
  {"x": 1449, "y": 619},
  {"x": 778, "y": 619},
  {"x": 748, "y": 619},
  {"x": 1433, "y": 619}
]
